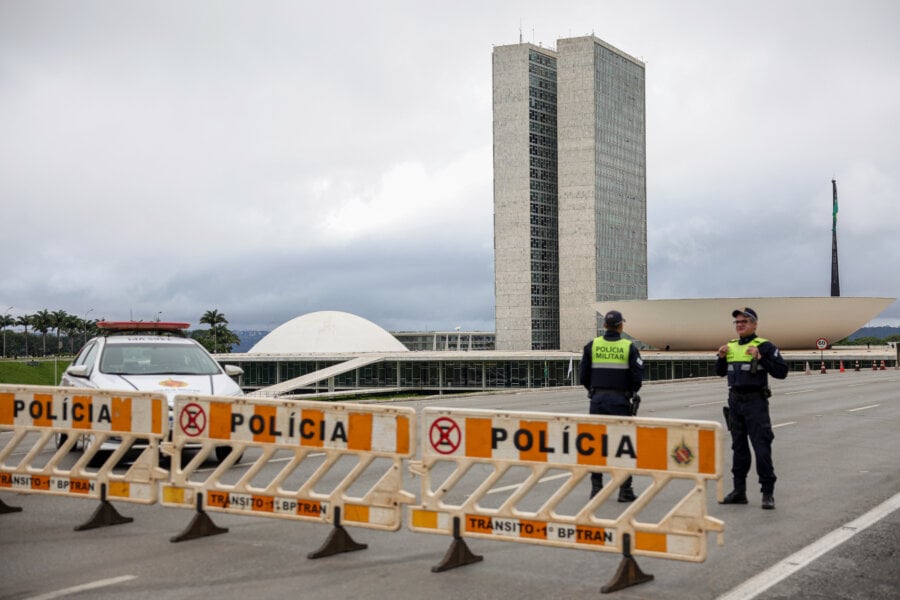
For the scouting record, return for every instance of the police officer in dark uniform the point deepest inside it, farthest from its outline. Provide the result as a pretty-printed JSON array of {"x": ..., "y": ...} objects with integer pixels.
[
  {"x": 612, "y": 371},
  {"x": 748, "y": 361}
]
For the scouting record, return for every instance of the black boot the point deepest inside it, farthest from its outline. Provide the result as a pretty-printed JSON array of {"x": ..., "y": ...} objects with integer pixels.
[
  {"x": 626, "y": 494},
  {"x": 735, "y": 497},
  {"x": 768, "y": 502}
]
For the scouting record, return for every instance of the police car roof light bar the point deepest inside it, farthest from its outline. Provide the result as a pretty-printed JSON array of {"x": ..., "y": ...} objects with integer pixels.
[{"x": 159, "y": 327}]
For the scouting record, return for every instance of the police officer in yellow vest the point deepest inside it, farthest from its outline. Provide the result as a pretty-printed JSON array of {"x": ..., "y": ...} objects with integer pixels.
[
  {"x": 748, "y": 361},
  {"x": 612, "y": 371}
]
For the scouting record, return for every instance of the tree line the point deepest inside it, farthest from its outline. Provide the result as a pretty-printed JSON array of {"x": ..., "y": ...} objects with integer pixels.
[{"x": 69, "y": 332}]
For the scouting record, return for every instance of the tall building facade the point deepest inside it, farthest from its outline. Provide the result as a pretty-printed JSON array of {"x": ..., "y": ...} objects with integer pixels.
[{"x": 570, "y": 201}]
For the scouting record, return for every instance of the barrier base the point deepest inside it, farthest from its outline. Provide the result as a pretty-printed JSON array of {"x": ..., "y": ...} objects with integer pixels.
[
  {"x": 458, "y": 555},
  {"x": 628, "y": 573},
  {"x": 6, "y": 508},
  {"x": 338, "y": 541},
  {"x": 105, "y": 515},
  {"x": 200, "y": 526}
]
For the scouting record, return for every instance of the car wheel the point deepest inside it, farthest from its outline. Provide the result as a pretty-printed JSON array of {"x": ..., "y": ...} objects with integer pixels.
[{"x": 222, "y": 453}]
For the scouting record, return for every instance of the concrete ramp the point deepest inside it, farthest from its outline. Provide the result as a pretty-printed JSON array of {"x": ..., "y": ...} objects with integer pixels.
[{"x": 290, "y": 385}]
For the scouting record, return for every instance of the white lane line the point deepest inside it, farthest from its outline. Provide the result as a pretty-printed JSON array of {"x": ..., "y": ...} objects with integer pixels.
[
  {"x": 793, "y": 563},
  {"x": 516, "y": 486},
  {"x": 798, "y": 392},
  {"x": 708, "y": 403},
  {"x": 863, "y": 407},
  {"x": 85, "y": 586},
  {"x": 784, "y": 424},
  {"x": 251, "y": 463}
]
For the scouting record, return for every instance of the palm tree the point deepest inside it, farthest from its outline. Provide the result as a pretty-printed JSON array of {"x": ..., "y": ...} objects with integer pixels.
[
  {"x": 24, "y": 321},
  {"x": 5, "y": 321},
  {"x": 228, "y": 338},
  {"x": 89, "y": 327},
  {"x": 214, "y": 318},
  {"x": 57, "y": 322},
  {"x": 40, "y": 321},
  {"x": 73, "y": 324}
]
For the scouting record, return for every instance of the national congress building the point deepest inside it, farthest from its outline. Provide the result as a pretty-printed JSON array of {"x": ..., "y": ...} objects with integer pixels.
[
  {"x": 570, "y": 193},
  {"x": 570, "y": 242}
]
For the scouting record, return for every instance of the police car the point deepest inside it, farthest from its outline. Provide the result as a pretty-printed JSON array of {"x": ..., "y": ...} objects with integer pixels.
[{"x": 149, "y": 357}]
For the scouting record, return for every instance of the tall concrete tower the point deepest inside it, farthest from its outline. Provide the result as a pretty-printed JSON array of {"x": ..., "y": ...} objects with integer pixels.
[{"x": 570, "y": 200}]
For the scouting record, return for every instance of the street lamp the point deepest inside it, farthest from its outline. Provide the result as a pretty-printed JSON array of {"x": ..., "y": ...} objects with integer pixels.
[
  {"x": 85, "y": 324},
  {"x": 4, "y": 331},
  {"x": 157, "y": 316}
]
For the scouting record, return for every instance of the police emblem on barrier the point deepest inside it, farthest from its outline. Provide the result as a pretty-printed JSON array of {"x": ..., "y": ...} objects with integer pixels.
[{"x": 682, "y": 454}]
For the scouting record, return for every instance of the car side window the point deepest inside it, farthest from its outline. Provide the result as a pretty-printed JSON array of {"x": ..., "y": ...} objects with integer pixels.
[
  {"x": 79, "y": 360},
  {"x": 88, "y": 357}
]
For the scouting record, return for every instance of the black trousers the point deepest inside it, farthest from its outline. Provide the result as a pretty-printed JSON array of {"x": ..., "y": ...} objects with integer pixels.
[
  {"x": 608, "y": 403},
  {"x": 751, "y": 426}
]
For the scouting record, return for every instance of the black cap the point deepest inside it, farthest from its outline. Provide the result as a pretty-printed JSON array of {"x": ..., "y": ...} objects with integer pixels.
[
  {"x": 747, "y": 312},
  {"x": 613, "y": 318}
]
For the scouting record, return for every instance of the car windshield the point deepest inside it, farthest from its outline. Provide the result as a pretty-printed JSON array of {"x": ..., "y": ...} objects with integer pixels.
[{"x": 157, "y": 359}]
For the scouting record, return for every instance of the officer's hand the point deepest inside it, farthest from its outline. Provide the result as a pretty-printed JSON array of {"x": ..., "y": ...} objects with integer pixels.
[
  {"x": 723, "y": 350},
  {"x": 753, "y": 351}
]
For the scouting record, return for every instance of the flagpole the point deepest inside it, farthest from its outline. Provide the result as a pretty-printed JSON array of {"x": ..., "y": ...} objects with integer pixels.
[{"x": 835, "y": 277}]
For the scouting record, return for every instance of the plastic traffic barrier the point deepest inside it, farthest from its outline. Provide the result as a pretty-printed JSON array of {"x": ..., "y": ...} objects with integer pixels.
[{"x": 308, "y": 440}]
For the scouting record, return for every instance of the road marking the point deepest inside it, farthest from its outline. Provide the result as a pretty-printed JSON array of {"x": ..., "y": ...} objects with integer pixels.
[
  {"x": 85, "y": 586},
  {"x": 798, "y": 392},
  {"x": 784, "y": 424},
  {"x": 708, "y": 403},
  {"x": 793, "y": 563},
  {"x": 863, "y": 407},
  {"x": 516, "y": 486},
  {"x": 242, "y": 465}
]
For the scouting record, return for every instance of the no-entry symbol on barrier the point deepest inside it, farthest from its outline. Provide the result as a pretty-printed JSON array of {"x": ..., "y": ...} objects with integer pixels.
[
  {"x": 192, "y": 420},
  {"x": 445, "y": 435}
]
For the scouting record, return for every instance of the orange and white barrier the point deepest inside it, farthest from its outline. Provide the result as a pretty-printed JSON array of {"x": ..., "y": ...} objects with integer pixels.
[
  {"x": 310, "y": 438},
  {"x": 515, "y": 476},
  {"x": 37, "y": 416}
]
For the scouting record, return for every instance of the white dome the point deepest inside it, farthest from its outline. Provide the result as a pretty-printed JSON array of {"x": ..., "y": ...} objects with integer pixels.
[{"x": 327, "y": 331}]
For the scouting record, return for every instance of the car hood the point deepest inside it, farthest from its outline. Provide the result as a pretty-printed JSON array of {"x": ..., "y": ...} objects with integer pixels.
[{"x": 172, "y": 385}]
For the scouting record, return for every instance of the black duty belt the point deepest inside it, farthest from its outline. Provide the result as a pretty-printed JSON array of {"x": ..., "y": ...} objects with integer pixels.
[
  {"x": 747, "y": 395},
  {"x": 608, "y": 391}
]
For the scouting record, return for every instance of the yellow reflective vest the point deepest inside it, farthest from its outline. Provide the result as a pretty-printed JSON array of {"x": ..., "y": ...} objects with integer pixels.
[{"x": 611, "y": 354}]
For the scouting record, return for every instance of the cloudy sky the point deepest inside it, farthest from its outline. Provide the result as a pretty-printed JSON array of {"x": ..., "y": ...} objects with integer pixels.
[{"x": 272, "y": 158}]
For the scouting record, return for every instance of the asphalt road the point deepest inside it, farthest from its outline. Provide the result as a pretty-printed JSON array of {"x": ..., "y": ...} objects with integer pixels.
[{"x": 836, "y": 458}]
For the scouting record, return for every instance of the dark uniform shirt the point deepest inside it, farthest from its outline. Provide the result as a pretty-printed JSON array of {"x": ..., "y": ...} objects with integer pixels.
[
  {"x": 741, "y": 377},
  {"x": 594, "y": 376}
]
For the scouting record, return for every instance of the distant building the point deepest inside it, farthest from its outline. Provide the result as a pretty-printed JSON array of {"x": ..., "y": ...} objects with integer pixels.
[
  {"x": 570, "y": 201},
  {"x": 436, "y": 341},
  {"x": 331, "y": 354}
]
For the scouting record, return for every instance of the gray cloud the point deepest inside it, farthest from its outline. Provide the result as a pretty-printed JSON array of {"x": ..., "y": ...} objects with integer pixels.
[{"x": 272, "y": 158}]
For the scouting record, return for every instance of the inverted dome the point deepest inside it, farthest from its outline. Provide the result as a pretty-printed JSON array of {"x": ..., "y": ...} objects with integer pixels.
[
  {"x": 327, "y": 331},
  {"x": 705, "y": 324}
]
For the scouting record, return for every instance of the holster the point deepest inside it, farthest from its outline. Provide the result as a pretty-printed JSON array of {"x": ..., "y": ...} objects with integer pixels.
[
  {"x": 634, "y": 402},
  {"x": 727, "y": 412}
]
